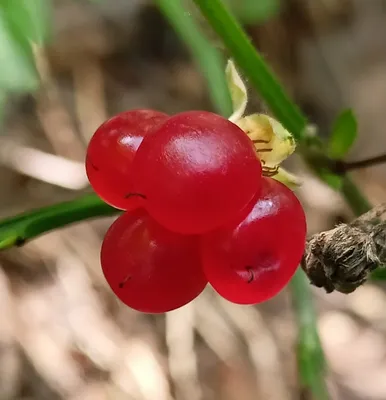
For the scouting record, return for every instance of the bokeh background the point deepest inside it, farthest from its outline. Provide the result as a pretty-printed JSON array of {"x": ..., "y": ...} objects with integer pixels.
[{"x": 63, "y": 334}]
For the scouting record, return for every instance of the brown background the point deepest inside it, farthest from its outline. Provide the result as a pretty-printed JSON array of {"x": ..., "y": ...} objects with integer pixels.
[{"x": 63, "y": 335}]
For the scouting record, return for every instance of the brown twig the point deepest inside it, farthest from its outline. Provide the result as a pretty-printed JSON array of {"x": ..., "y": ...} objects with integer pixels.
[
  {"x": 342, "y": 167},
  {"x": 342, "y": 258}
]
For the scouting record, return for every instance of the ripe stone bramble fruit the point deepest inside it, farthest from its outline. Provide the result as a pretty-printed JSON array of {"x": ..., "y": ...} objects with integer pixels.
[
  {"x": 250, "y": 261},
  {"x": 197, "y": 171},
  {"x": 150, "y": 268},
  {"x": 111, "y": 151}
]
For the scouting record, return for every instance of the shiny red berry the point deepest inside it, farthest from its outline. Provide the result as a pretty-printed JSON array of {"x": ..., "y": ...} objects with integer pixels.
[
  {"x": 197, "y": 171},
  {"x": 251, "y": 261},
  {"x": 111, "y": 151},
  {"x": 149, "y": 268}
]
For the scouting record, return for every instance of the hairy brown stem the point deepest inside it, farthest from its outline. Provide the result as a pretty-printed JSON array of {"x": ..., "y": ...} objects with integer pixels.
[{"x": 342, "y": 258}]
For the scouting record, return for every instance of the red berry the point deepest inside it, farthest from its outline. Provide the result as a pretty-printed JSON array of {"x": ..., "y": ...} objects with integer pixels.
[
  {"x": 111, "y": 152},
  {"x": 197, "y": 171},
  {"x": 150, "y": 268},
  {"x": 251, "y": 261}
]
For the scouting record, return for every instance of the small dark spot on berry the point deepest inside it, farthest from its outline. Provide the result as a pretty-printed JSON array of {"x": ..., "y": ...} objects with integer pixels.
[
  {"x": 260, "y": 141},
  {"x": 94, "y": 166},
  {"x": 123, "y": 283},
  {"x": 251, "y": 274},
  {"x": 127, "y": 196}
]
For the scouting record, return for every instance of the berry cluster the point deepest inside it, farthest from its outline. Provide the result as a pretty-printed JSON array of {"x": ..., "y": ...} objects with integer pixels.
[{"x": 197, "y": 209}]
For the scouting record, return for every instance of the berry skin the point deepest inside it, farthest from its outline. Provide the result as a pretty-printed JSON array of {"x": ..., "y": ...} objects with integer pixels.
[
  {"x": 197, "y": 171},
  {"x": 111, "y": 151},
  {"x": 149, "y": 268},
  {"x": 251, "y": 261}
]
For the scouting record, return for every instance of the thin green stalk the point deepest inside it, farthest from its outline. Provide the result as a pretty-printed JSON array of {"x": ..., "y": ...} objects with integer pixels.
[
  {"x": 311, "y": 361},
  {"x": 17, "y": 230},
  {"x": 209, "y": 59},
  {"x": 253, "y": 65},
  {"x": 354, "y": 197},
  {"x": 264, "y": 81}
]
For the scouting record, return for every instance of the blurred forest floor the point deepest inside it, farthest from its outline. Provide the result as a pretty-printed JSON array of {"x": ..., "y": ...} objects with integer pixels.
[{"x": 63, "y": 335}]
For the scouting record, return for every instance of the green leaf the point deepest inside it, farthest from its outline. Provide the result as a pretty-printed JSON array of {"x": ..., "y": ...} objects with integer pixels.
[
  {"x": 30, "y": 18},
  {"x": 18, "y": 72},
  {"x": 343, "y": 135}
]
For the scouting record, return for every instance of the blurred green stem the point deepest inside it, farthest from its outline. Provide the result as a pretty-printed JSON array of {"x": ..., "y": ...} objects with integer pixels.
[
  {"x": 354, "y": 197},
  {"x": 311, "y": 361},
  {"x": 15, "y": 231},
  {"x": 253, "y": 65},
  {"x": 210, "y": 60}
]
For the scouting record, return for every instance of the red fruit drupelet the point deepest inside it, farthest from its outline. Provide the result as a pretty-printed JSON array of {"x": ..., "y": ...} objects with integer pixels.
[
  {"x": 197, "y": 172},
  {"x": 149, "y": 268},
  {"x": 250, "y": 261},
  {"x": 111, "y": 151}
]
